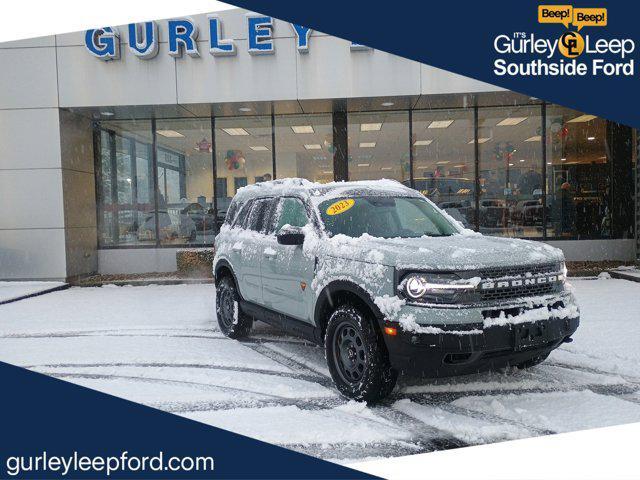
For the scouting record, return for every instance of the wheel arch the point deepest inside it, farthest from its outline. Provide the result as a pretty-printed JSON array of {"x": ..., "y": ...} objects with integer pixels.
[
  {"x": 337, "y": 293},
  {"x": 222, "y": 269}
]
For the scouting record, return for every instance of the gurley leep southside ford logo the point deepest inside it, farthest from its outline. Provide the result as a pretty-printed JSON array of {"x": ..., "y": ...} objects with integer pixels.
[{"x": 570, "y": 54}]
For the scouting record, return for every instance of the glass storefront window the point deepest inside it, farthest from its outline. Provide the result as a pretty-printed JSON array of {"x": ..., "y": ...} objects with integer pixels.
[
  {"x": 243, "y": 155},
  {"x": 379, "y": 146},
  {"x": 578, "y": 180},
  {"x": 588, "y": 186},
  {"x": 125, "y": 182},
  {"x": 304, "y": 147},
  {"x": 510, "y": 171},
  {"x": 185, "y": 182},
  {"x": 444, "y": 161}
]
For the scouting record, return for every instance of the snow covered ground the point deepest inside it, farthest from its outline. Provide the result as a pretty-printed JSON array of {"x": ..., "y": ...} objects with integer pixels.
[{"x": 160, "y": 345}]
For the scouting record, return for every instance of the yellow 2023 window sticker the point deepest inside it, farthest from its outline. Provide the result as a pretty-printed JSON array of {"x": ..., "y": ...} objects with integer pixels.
[{"x": 340, "y": 206}]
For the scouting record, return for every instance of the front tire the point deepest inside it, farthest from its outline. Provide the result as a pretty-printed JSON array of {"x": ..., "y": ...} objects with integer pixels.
[
  {"x": 356, "y": 356},
  {"x": 233, "y": 323}
]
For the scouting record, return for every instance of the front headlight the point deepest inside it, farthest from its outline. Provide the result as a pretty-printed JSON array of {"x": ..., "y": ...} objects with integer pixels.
[{"x": 433, "y": 287}]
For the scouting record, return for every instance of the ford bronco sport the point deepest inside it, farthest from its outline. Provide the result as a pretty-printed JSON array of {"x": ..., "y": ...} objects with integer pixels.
[{"x": 387, "y": 282}]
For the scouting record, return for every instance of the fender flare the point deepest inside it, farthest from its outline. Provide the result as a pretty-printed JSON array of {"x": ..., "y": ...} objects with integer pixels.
[{"x": 326, "y": 297}]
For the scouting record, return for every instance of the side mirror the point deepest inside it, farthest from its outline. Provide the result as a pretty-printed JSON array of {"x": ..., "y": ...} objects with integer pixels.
[{"x": 289, "y": 235}]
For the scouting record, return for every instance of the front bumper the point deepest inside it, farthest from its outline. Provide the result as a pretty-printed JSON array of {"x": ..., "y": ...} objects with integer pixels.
[{"x": 458, "y": 347}]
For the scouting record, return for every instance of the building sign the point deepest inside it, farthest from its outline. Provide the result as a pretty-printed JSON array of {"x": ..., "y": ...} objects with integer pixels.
[{"x": 182, "y": 38}]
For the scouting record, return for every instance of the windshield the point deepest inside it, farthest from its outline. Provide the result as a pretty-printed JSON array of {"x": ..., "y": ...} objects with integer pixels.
[{"x": 385, "y": 217}]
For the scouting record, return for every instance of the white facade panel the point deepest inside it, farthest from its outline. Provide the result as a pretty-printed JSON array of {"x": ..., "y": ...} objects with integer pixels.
[
  {"x": 28, "y": 78},
  {"x": 436, "y": 81},
  {"x": 243, "y": 77},
  {"x": 234, "y": 26},
  {"x": 332, "y": 70},
  {"x": 138, "y": 260},
  {"x": 46, "y": 41},
  {"x": 32, "y": 254},
  {"x": 29, "y": 138},
  {"x": 88, "y": 81},
  {"x": 31, "y": 199}
]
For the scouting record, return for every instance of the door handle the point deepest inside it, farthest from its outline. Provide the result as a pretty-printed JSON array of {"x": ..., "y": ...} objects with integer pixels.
[{"x": 269, "y": 252}]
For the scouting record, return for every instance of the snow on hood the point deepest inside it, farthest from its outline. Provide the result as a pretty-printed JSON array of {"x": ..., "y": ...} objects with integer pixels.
[{"x": 456, "y": 252}]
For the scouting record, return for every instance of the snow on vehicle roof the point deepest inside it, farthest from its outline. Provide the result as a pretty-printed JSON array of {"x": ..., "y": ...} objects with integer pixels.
[{"x": 319, "y": 192}]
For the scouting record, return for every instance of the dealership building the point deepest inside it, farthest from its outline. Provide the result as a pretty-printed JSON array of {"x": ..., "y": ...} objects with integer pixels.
[{"x": 122, "y": 145}]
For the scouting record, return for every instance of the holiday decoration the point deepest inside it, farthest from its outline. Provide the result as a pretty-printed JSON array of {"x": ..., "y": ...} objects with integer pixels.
[
  {"x": 234, "y": 159},
  {"x": 204, "y": 146}
]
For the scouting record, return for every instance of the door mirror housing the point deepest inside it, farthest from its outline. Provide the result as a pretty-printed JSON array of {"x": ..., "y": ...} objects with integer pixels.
[{"x": 289, "y": 235}]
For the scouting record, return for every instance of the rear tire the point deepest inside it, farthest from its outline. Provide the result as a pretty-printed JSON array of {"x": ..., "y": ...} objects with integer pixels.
[
  {"x": 233, "y": 322},
  {"x": 356, "y": 356}
]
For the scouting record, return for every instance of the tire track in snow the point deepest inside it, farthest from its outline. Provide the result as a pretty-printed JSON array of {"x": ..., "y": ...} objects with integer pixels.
[
  {"x": 294, "y": 375},
  {"x": 296, "y": 366},
  {"x": 96, "y": 376},
  {"x": 481, "y": 415}
]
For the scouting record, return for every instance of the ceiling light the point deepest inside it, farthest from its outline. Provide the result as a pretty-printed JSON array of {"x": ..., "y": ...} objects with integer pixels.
[
  {"x": 387, "y": 104},
  {"x": 511, "y": 121},
  {"x": 535, "y": 138},
  {"x": 259, "y": 148},
  {"x": 169, "y": 133},
  {"x": 511, "y": 164},
  {"x": 370, "y": 127},
  {"x": 244, "y": 109},
  {"x": 522, "y": 160},
  {"x": 367, "y": 144},
  {"x": 548, "y": 163},
  {"x": 107, "y": 114},
  {"x": 563, "y": 159},
  {"x": 364, "y": 164},
  {"x": 313, "y": 146},
  {"x": 459, "y": 166},
  {"x": 235, "y": 131},
  {"x": 442, "y": 162},
  {"x": 440, "y": 124},
  {"x": 480, "y": 140},
  {"x": 582, "y": 118},
  {"x": 386, "y": 169},
  {"x": 327, "y": 171},
  {"x": 302, "y": 129},
  {"x": 591, "y": 138},
  {"x": 419, "y": 143}
]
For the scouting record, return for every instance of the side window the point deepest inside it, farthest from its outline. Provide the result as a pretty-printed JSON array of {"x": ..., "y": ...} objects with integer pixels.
[
  {"x": 242, "y": 215},
  {"x": 231, "y": 212},
  {"x": 260, "y": 216},
  {"x": 292, "y": 212}
]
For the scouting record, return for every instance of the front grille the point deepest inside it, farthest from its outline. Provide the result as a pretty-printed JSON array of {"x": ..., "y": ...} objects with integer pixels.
[
  {"x": 523, "y": 272},
  {"x": 517, "y": 292},
  {"x": 520, "y": 271}
]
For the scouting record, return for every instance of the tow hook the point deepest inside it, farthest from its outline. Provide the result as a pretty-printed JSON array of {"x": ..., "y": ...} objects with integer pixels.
[{"x": 567, "y": 340}]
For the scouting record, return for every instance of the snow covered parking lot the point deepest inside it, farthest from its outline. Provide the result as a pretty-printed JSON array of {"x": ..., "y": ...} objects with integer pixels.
[{"x": 160, "y": 345}]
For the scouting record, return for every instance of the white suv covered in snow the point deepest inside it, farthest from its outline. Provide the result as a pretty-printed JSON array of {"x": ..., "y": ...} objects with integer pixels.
[{"x": 387, "y": 282}]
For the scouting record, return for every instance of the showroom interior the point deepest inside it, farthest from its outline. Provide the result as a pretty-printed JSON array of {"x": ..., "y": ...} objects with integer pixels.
[{"x": 486, "y": 165}]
